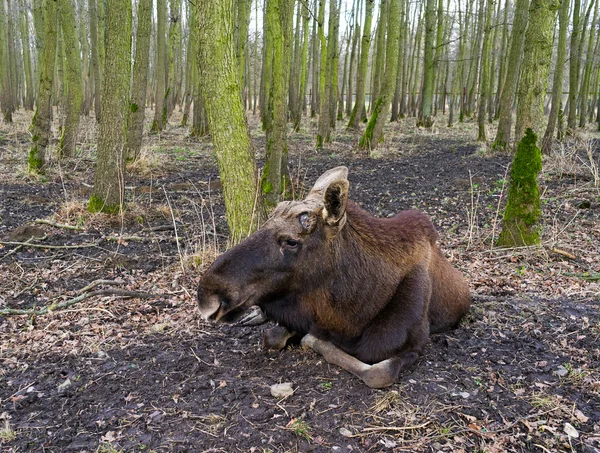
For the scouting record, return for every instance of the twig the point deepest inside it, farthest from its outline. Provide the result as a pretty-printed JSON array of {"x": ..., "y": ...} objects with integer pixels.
[
  {"x": 564, "y": 253},
  {"x": 16, "y": 249},
  {"x": 67, "y": 303},
  {"x": 43, "y": 246},
  {"x": 59, "y": 225},
  {"x": 175, "y": 228},
  {"x": 395, "y": 428},
  {"x": 124, "y": 238},
  {"x": 100, "y": 282}
]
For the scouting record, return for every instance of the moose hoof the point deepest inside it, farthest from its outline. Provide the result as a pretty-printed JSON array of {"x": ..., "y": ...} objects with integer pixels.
[
  {"x": 380, "y": 375},
  {"x": 254, "y": 317},
  {"x": 276, "y": 338}
]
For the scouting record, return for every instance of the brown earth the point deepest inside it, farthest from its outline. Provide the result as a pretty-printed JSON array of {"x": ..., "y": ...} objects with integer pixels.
[{"x": 107, "y": 374}]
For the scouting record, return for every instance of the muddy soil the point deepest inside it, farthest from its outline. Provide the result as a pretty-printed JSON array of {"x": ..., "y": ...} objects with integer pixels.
[{"x": 111, "y": 373}]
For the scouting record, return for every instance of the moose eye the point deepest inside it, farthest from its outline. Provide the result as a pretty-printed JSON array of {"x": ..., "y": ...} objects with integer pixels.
[
  {"x": 291, "y": 243},
  {"x": 304, "y": 221}
]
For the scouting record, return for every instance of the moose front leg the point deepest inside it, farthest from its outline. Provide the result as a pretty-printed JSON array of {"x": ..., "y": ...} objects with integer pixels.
[
  {"x": 276, "y": 338},
  {"x": 379, "y": 375}
]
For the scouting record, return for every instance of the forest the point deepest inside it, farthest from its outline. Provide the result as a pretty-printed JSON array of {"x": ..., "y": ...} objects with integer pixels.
[{"x": 141, "y": 139}]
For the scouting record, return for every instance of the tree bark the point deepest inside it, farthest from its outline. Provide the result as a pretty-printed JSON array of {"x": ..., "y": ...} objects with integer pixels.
[
  {"x": 160, "y": 68},
  {"x": 67, "y": 144},
  {"x": 137, "y": 105},
  {"x": 109, "y": 179},
  {"x": 559, "y": 72},
  {"x": 374, "y": 133},
  {"x": 220, "y": 90},
  {"x": 361, "y": 73},
  {"x": 503, "y": 134},
  {"x": 42, "y": 120}
]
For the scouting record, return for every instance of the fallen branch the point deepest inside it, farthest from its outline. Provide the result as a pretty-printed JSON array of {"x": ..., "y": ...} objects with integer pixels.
[
  {"x": 16, "y": 249},
  {"x": 44, "y": 246},
  {"x": 59, "y": 225},
  {"x": 69, "y": 302}
]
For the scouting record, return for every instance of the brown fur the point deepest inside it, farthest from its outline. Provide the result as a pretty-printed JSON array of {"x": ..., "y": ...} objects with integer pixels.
[{"x": 372, "y": 287}]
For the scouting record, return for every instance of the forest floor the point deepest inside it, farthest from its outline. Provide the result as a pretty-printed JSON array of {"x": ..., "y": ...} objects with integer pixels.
[{"x": 110, "y": 374}]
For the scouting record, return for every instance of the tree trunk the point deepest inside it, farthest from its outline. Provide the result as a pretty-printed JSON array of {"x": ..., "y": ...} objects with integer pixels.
[
  {"x": 361, "y": 73},
  {"x": 109, "y": 179},
  {"x": 574, "y": 68},
  {"x": 67, "y": 144},
  {"x": 425, "y": 112},
  {"x": 522, "y": 212},
  {"x": 25, "y": 42},
  {"x": 537, "y": 54},
  {"x": 95, "y": 63},
  {"x": 587, "y": 72},
  {"x": 137, "y": 105},
  {"x": 485, "y": 72},
  {"x": 274, "y": 178},
  {"x": 42, "y": 120},
  {"x": 379, "y": 54},
  {"x": 220, "y": 89},
  {"x": 160, "y": 69},
  {"x": 559, "y": 72},
  {"x": 303, "y": 67},
  {"x": 374, "y": 133},
  {"x": 512, "y": 76}
]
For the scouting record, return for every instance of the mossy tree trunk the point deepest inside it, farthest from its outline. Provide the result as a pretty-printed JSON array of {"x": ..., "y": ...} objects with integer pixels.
[
  {"x": 374, "y": 132},
  {"x": 137, "y": 105},
  {"x": 537, "y": 55},
  {"x": 520, "y": 226},
  {"x": 323, "y": 91},
  {"x": 521, "y": 16},
  {"x": 363, "y": 64},
  {"x": 160, "y": 67},
  {"x": 329, "y": 73},
  {"x": 67, "y": 144},
  {"x": 353, "y": 53},
  {"x": 174, "y": 51},
  {"x": 82, "y": 15},
  {"x": 109, "y": 179},
  {"x": 425, "y": 112},
  {"x": 484, "y": 86},
  {"x": 220, "y": 89},
  {"x": 42, "y": 120},
  {"x": 275, "y": 178},
  {"x": 557, "y": 86},
  {"x": 378, "y": 64}
]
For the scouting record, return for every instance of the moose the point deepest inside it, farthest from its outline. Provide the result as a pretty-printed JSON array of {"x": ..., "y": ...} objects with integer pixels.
[{"x": 364, "y": 292}]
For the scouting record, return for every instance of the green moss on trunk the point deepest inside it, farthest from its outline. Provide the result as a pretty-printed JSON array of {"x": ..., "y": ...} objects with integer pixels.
[
  {"x": 97, "y": 204},
  {"x": 522, "y": 212}
]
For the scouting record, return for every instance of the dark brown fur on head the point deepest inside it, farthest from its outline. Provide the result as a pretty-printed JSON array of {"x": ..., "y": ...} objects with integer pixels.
[{"x": 373, "y": 287}]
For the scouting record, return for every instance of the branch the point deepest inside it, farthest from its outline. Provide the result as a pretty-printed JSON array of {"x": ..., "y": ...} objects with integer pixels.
[
  {"x": 43, "y": 246},
  {"x": 59, "y": 225},
  {"x": 85, "y": 295}
]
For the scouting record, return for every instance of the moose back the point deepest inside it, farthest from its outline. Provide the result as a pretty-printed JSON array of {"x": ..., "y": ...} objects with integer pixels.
[{"x": 364, "y": 292}]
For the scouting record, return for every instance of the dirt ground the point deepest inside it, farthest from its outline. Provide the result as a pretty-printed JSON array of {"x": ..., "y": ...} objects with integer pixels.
[{"x": 109, "y": 373}]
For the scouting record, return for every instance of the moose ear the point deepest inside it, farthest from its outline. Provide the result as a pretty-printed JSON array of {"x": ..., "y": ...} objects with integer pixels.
[{"x": 335, "y": 200}]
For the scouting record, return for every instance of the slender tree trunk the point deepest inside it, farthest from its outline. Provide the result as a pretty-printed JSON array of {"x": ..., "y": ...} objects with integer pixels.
[
  {"x": 352, "y": 64},
  {"x": 503, "y": 134},
  {"x": 137, "y": 105},
  {"x": 425, "y": 112},
  {"x": 29, "y": 91},
  {"x": 42, "y": 120},
  {"x": 95, "y": 56},
  {"x": 374, "y": 133},
  {"x": 574, "y": 68},
  {"x": 379, "y": 55},
  {"x": 587, "y": 72},
  {"x": 502, "y": 67},
  {"x": 485, "y": 72},
  {"x": 323, "y": 88},
  {"x": 559, "y": 72},
  {"x": 161, "y": 62},
  {"x": 361, "y": 73},
  {"x": 67, "y": 144},
  {"x": 315, "y": 46},
  {"x": 109, "y": 179},
  {"x": 301, "y": 101},
  {"x": 220, "y": 90}
]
